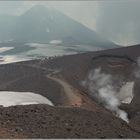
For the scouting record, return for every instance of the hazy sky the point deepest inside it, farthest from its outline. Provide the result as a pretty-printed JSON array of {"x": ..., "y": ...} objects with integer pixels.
[{"x": 117, "y": 20}]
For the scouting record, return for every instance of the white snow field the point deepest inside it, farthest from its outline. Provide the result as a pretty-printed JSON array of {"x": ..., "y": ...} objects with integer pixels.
[
  {"x": 4, "y": 49},
  {"x": 10, "y": 98}
]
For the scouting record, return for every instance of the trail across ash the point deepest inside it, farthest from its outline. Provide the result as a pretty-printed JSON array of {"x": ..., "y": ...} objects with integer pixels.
[{"x": 100, "y": 86}]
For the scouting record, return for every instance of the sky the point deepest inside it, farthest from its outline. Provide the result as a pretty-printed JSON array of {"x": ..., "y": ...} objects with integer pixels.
[{"x": 117, "y": 20}]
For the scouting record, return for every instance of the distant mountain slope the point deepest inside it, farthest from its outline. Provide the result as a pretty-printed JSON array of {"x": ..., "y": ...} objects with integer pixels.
[{"x": 41, "y": 24}]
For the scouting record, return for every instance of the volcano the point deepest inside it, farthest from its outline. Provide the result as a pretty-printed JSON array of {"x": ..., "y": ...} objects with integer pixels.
[
  {"x": 46, "y": 25},
  {"x": 76, "y": 112}
]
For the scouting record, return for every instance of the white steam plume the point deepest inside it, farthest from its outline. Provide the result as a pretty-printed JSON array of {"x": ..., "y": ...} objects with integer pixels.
[{"x": 100, "y": 86}]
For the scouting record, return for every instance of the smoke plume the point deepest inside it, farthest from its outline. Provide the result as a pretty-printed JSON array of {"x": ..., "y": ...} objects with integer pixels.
[{"x": 100, "y": 86}]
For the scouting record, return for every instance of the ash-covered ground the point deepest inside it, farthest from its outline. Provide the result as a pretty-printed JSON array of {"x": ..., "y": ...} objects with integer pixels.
[{"x": 89, "y": 92}]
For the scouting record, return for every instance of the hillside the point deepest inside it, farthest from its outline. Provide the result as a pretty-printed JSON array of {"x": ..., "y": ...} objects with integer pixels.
[{"x": 77, "y": 112}]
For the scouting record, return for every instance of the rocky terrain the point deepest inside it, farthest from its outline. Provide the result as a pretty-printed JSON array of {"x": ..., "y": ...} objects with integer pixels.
[{"x": 77, "y": 113}]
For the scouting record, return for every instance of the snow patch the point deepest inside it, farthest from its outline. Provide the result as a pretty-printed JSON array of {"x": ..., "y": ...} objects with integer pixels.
[
  {"x": 4, "y": 49},
  {"x": 9, "y": 98},
  {"x": 55, "y": 41},
  {"x": 35, "y": 45},
  {"x": 12, "y": 59},
  {"x": 126, "y": 93}
]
